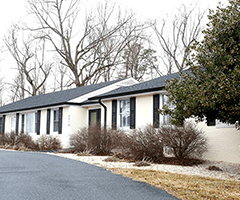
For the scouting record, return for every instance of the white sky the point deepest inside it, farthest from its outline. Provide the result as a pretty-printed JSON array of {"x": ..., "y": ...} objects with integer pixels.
[{"x": 14, "y": 10}]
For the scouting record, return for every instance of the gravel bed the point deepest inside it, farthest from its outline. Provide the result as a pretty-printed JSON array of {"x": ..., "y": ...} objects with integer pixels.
[{"x": 228, "y": 170}]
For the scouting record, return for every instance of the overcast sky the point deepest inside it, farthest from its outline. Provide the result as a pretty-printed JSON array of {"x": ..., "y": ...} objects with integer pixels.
[{"x": 15, "y": 10}]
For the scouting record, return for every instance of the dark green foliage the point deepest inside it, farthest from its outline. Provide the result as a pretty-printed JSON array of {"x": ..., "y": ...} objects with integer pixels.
[{"x": 212, "y": 89}]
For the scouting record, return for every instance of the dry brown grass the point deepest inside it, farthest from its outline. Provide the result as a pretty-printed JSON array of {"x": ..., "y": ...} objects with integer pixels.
[{"x": 185, "y": 186}]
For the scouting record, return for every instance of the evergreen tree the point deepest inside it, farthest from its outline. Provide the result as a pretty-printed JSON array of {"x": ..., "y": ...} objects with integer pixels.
[{"x": 211, "y": 87}]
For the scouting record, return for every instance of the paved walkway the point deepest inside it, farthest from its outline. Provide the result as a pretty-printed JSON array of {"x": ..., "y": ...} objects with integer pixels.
[{"x": 30, "y": 176}]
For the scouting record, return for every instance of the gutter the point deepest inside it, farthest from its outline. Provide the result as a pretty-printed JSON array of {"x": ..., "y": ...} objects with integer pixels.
[{"x": 105, "y": 113}]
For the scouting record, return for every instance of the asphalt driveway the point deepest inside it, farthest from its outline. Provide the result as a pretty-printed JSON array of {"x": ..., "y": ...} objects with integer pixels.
[{"x": 30, "y": 176}]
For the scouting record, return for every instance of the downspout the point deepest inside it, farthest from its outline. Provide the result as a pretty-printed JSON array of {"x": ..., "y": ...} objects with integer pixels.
[{"x": 105, "y": 113}]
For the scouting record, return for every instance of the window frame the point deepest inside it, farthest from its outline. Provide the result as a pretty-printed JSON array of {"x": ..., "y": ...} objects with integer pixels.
[
  {"x": 55, "y": 121},
  {"x": 121, "y": 114},
  {"x": 26, "y": 122},
  {"x": 12, "y": 123},
  {"x": 164, "y": 119}
]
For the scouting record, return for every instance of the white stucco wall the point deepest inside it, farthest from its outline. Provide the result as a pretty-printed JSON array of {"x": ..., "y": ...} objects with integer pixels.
[
  {"x": 108, "y": 104},
  {"x": 144, "y": 111},
  {"x": 79, "y": 118},
  {"x": 7, "y": 124},
  {"x": 223, "y": 143},
  {"x": 43, "y": 122}
]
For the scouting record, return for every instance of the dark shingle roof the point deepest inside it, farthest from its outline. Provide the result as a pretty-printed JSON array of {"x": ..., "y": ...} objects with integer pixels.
[
  {"x": 147, "y": 86},
  {"x": 51, "y": 99}
]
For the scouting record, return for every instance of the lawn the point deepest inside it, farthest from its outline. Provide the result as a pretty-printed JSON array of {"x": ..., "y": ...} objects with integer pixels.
[{"x": 185, "y": 186}]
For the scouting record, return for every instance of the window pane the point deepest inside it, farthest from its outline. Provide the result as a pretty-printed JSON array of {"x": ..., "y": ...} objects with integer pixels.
[
  {"x": 55, "y": 128},
  {"x": 124, "y": 120},
  {"x": 36, "y": 122},
  {"x": 93, "y": 117},
  {"x": 125, "y": 113},
  {"x": 13, "y": 121},
  {"x": 121, "y": 125},
  {"x": 29, "y": 122},
  {"x": 128, "y": 121},
  {"x": 55, "y": 118}
]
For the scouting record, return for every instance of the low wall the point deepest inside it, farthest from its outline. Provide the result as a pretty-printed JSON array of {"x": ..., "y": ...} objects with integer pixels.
[{"x": 223, "y": 143}]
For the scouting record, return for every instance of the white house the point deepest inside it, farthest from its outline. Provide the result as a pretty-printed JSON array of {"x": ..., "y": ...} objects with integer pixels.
[
  {"x": 124, "y": 103},
  {"x": 59, "y": 113}
]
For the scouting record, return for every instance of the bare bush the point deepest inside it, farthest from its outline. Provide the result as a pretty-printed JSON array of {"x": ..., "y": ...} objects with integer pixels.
[
  {"x": 96, "y": 140},
  {"x": 8, "y": 139},
  {"x": 25, "y": 141},
  {"x": 2, "y": 139},
  {"x": 184, "y": 141},
  {"x": 16, "y": 141},
  {"x": 48, "y": 143},
  {"x": 145, "y": 144}
]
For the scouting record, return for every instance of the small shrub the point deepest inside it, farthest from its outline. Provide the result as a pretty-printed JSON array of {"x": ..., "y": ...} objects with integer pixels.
[
  {"x": 112, "y": 159},
  {"x": 47, "y": 142},
  {"x": 25, "y": 141},
  {"x": 16, "y": 141},
  {"x": 145, "y": 144},
  {"x": 142, "y": 164},
  {"x": 2, "y": 139},
  {"x": 214, "y": 168},
  {"x": 9, "y": 138},
  {"x": 185, "y": 141},
  {"x": 96, "y": 139}
]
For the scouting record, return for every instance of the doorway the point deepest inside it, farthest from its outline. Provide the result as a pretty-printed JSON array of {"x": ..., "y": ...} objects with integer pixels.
[{"x": 94, "y": 117}]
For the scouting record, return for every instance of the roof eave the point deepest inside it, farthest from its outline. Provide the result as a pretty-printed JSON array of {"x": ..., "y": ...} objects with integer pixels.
[
  {"x": 39, "y": 107},
  {"x": 127, "y": 93}
]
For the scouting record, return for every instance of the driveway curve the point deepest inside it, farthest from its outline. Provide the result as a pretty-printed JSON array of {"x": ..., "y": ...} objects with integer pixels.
[{"x": 30, "y": 176}]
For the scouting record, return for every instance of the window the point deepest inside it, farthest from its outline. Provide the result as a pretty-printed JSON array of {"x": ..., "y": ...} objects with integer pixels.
[
  {"x": 55, "y": 120},
  {"x": 13, "y": 121},
  {"x": 94, "y": 116},
  {"x": 124, "y": 113},
  {"x": 166, "y": 118},
  {"x": 30, "y": 122}
]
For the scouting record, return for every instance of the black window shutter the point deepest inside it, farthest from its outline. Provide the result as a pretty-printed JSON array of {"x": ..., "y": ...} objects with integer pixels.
[
  {"x": 0, "y": 124},
  {"x": 22, "y": 129},
  {"x": 211, "y": 121},
  {"x": 99, "y": 116},
  {"x": 155, "y": 110},
  {"x": 60, "y": 120},
  {"x": 114, "y": 114},
  {"x": 17, "y": 123},
  {"x": 3, "y": 123},
  {"x": 48, "y": 120},
  {"x": 38, "y": 121},
  {"x": 132, "y": 112}
]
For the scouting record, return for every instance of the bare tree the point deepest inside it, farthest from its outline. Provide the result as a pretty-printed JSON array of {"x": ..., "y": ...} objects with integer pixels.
[
  {"x": 176, "y": 39},
  {"x": 91, "y": 52},
  {"x": 139, "y": 62},
  {"x": 30, "y": 57}
]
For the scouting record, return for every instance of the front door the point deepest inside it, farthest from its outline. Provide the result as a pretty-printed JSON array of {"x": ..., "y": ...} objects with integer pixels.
[{"x": 94, "y": 116}]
